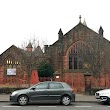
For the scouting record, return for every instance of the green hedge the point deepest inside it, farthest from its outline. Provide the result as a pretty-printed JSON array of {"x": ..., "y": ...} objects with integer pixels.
[
  {"x": 8, "y": 90},
  {"x": 94, "y": 90}
]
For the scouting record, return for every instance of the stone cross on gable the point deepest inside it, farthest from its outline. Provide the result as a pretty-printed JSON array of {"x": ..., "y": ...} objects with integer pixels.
[{"x": 80, "y": 18}]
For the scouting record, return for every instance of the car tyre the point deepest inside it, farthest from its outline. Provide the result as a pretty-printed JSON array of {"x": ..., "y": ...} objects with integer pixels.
[
  {"x": 106, "y": 103},
  {"x": 23, "y": 100},
  {"x": 65, "y": 100}
]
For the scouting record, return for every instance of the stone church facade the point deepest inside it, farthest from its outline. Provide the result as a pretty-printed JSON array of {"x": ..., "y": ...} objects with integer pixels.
[{"x": 81, "y": 58}]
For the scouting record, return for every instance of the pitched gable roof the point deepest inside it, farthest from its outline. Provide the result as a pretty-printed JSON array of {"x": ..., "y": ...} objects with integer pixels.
[
  {"x": 81, "y": 27},
  {"x": 14, "y": 51}
]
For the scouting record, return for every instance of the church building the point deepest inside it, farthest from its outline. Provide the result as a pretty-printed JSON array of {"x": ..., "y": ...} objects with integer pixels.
[
  {"x": 17, "y": 65},
  {"x": 81, "y": 57}
]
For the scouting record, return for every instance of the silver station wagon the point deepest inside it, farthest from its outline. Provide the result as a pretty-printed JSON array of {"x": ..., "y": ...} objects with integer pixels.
[{"x": 43, "y": 92}]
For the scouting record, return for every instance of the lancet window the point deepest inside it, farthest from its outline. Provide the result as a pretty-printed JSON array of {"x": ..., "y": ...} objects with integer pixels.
[{"x": 77, "y": 55}]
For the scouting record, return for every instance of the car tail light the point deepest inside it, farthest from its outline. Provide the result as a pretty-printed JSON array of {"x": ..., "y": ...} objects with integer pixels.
[{"x": 72, "y": 90}]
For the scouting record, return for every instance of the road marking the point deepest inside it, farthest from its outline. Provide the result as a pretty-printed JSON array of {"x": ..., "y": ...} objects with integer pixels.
[
  {"x": 108, "y": 106},
  {"x": 47, "y": 106},
  {"x": 10, "y": 106},
  {"x": 82, "y": 106}
]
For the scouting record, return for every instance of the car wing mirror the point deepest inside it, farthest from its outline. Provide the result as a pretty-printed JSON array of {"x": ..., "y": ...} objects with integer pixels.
[{"x": 33, "y": 88}]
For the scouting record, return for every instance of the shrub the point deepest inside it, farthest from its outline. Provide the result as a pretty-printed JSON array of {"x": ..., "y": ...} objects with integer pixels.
[
  {"x": 94, "y": 90},
  {"x": 8, "y": 90}
]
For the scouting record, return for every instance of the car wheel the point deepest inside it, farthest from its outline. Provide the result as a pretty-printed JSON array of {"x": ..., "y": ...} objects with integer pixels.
[
  {"x": 65, "y": 100},
  {"x": 106, "y": 103},
  {"x": 23, "y": 100}
]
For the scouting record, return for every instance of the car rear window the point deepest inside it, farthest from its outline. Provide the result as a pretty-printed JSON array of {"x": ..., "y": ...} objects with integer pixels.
[
  {"x": 55, "y": 86},
  {"x": 66, "y": 85}
]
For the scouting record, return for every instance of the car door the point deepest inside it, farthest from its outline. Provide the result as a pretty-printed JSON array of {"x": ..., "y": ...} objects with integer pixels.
[
  {"x": 39, "y": 92},
  {"x": 55, "y": 91}
]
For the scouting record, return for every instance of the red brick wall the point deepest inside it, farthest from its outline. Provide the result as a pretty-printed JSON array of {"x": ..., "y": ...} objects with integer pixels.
[{"x": 77, "y": 81}]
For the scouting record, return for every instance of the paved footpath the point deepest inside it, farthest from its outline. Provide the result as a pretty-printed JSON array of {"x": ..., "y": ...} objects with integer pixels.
[
  {"x": 85, "y": 98},
  {"x": 79, "y": 98}
]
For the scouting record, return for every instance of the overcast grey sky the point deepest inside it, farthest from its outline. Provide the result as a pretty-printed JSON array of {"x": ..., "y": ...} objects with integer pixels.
[{"x": 21, "y": 20}]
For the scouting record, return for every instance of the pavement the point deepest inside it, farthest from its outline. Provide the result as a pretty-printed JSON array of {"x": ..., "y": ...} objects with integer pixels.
[{"x": 79, "y": 98}]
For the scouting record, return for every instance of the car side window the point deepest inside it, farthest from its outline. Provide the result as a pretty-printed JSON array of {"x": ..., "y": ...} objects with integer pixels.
[
  {"x": 55, "y": 86},
  {"x": 42, "y": 86}
]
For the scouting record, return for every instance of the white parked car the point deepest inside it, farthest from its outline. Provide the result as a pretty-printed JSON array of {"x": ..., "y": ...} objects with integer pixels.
[{"x": 103, "y": 95}]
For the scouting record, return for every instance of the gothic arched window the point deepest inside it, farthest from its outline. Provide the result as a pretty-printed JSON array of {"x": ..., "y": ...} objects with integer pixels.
[
  {"x": 10, "y": 63},
  {"x": 77, "y": 57},
  {"x": 70, "y": 61},
  {"x": 75, "y": 60}
]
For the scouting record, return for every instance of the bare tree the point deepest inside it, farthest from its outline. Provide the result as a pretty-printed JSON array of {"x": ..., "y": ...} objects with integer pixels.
[
  {"x": 35, "y": 41},
  {"x": 99, "y": 56},
  {"x": 33, "y": 58}
]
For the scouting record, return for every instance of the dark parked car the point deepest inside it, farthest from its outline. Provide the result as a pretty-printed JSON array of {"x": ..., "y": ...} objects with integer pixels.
[{"x": 48, "y": 91}]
